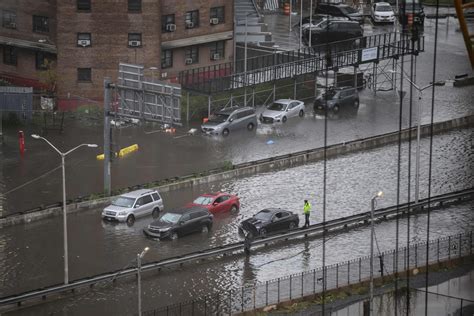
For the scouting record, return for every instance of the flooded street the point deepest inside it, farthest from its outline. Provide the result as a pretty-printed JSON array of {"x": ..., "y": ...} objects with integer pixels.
[{"x": 97, "y": 247}]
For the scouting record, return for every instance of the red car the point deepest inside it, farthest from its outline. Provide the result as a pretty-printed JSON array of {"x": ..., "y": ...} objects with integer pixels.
[{"x": 219, "y": 202}]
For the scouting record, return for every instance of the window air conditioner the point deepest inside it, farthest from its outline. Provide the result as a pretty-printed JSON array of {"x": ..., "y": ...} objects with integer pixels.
[
  {"x": 164, "y": 74},
  {"x": 189, "y": 24},
  {"x": 188, "y": 61},
  {"x": 216, "y": 56},
  {"x": 214, "y": 21},
  {"x": 134, "y": 43},
  {"x": 171, "y": 27},
  {"x": 84, "y": 43}
]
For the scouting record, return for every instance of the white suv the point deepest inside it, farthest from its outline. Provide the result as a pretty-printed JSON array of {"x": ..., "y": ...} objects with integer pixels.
[{"x": 127, "y": 207}]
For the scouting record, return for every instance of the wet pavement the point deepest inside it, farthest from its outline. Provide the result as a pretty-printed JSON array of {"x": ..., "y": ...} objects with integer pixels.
[{"x": 96, "y": 246}]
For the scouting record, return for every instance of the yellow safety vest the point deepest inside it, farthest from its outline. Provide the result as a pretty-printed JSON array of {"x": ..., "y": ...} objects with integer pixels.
[{"x": 307, "y": 208}]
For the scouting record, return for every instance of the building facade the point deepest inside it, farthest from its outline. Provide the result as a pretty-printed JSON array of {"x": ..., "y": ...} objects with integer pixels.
[{"x": 87, "y": 39}]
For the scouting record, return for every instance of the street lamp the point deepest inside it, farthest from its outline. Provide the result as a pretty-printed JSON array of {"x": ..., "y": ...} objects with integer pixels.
[
  {"x": 63, "y": 155},
  {"x": 418, "y": 128},
  {"x": 139, "y": 268},
  {"x": 372, "y": 233},
  {"x": 245, "y": 58}
]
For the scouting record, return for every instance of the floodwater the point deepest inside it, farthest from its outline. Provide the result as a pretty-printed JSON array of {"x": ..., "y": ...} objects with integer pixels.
[{"x": 97, "y": 247}]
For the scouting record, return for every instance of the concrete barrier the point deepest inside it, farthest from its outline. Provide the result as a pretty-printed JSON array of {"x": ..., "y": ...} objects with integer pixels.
[{"x": 252, "y": 168}]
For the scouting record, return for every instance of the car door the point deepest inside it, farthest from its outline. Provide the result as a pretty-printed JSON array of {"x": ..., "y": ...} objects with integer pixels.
[
  {"x": 218, "y": 204},
  {"x": 234, "y": 121},
  {"x": 139, "y": 207},
  {"x": 292, "y": 109},
  {"x": 147, "y": 205},
  {"x": 184, "y": 225},
  {"x": 158, "y": 201}
]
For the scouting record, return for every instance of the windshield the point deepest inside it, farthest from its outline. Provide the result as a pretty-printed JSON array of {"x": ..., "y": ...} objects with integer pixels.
[
  {"x": 219, "y": 117},
  {"x": 203, "y": 200},
  {"x": 264, "y": 215},
  {"x": 384, "y": 8},
  {"x": 171, "y": 218},
  {"x": 348, "y": 10},
  {"x": 277, "y": 107},
  {"x": 123, "y": 201},
  {"x": 329, "y": 95}
]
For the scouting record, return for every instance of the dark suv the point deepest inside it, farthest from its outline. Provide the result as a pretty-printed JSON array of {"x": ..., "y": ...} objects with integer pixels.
[
  {"x": 342, "y": 10},
  {"x": 335, "y": 98},
  {"x": 179, "y": 222},
  {"x": 335, "y": 31}
]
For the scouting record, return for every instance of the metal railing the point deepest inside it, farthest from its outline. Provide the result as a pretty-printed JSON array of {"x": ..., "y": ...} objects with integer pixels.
[{"x": 307, "y": 283}]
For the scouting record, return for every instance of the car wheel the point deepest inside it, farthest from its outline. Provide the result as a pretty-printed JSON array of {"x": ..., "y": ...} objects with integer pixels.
[
  {"x": 225, "y": 132},
  {"x": 356, "y": 104},
  {"x": 234, "y": 209},
  {"x": 130, "y": 220},
  {"x": 263, "y": 232},
  {"x": 284, "y": 119},
  {"x": 301, "y": 114},
  {"x": 174, "y": 236},
  {"x": 250, "y": 126},
  {"x": 204, "y": 229},
  {"x": 156, "y": 212},
  {"x": 292, "y": 225},
  {"x": 335, "y": 108}
]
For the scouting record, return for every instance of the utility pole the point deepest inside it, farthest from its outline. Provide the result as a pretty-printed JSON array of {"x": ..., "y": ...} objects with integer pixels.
[{"x": 107, "y": 134}]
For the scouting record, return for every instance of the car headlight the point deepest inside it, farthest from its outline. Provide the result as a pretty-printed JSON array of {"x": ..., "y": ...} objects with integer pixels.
[
  {"x": 278, "y": 116},
  {"x": 164, "y": 229},
  {"x": 122, "y": 213}
]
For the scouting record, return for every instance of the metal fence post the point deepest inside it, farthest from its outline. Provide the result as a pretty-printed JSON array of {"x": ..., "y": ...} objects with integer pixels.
[
  {"x": 291, "y": 279},
  {"x": 242, "y": 303},
  {"x": 314, "y": 281},
  {"x": 449, "y": 247},
  {"x": 348, "y": 272},
  {"x": 460, "y": 243},
  {"x": 416, "y": 255},
  {"x": 337, "y": 275},
  {"x": 254, "y": 297},
  {"x": 302, "y": 284},
  {"x": 230, "y": 302},
  {"x": 470, "y": 243},
  {"x": 266, "y": 293},
  {"x": 360, "y": 265},
  {"x": 437, "y": 255},
  {"x": 405, "y": 264},
  {"x": 278, "y": 300}
]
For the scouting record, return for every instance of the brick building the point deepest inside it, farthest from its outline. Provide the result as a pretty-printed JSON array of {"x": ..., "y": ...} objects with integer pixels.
[{"x": 87, "y": 39}]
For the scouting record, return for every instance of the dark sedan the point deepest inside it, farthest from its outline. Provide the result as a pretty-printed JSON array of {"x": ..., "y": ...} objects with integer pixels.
[{"x": 269, "y": 221}]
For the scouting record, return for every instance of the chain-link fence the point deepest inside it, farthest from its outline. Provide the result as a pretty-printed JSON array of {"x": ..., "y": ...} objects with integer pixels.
[{"x": 250, "y": 297}]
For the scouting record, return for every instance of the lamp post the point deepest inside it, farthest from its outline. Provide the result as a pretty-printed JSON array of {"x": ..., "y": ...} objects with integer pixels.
[
  {"x": 372, "y": 233},
  {"x": 63, "y": 156},
  {"x": 418, "y": 129},
  {"x": 245, "y": 59},
  {"x": 139, "y": 268},
  {"x": 153, "y": 69}
]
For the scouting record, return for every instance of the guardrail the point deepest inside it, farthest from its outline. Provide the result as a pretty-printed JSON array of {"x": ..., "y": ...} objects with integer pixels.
[{"x": 316, "y": 229}]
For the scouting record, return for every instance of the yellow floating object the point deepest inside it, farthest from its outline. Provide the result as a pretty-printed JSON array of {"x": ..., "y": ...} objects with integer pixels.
[
  {"x": 100, "y": 157},
  {"x": 127, "y": 150}
]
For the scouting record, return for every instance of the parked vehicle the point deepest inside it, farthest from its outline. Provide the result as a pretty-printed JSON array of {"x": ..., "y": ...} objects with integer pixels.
[
  {"x": 269, "y": 221},
  {"x": 230, "y": 119},
  {"x": 335, "y": 31},
  {"x": 281, "y": 110},
  {"x": 343, "y": 10},
  {"x": 219, "y": 202},
  {"x": 382, "y": 12},
  {"x": 129, "y": 206},
  {"x": 317, "y": 24},
  {"x": 336, "y": 98},
  {"x": 180, "y": 222},
  {"x": 412, "y": 8}
]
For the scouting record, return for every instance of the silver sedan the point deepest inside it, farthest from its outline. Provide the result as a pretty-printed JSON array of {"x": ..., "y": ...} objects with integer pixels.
[{"x": 281, "y": 110}]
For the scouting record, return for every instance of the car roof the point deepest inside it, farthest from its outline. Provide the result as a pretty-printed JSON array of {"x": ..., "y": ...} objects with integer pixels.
[
  {"x": 273, "y": 210},
  {"x": 285, "y": 101},
  {"x": 137, "y": 193},
  {"x": 215, "y": 194},
  {"x": 234, "y": 109},
  {"x": 187, "y": 209}
]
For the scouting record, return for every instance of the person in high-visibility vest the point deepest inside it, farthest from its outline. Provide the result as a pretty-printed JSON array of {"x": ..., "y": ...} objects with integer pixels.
[{"x": 306, "y": 211}]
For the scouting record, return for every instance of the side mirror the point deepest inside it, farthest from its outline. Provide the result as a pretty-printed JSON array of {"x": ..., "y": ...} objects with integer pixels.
[
  {"x": 180, "y": 223},
  {"x": 215, "y": 203},
  {"x": 231, "y": 120},
  {"x": 137, "y": 205}
]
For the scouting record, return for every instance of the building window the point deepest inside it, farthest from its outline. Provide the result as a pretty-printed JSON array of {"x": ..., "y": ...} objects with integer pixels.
[
  {"x": 10, "y": 55},
  {"x": 9, "y": 19},
  {"x": 40, "y": 24},
  {"x": 191, "y": 19},
  {"x": 84, "y": 39},
  {"x": 84, "y": 74},
  {"x": 217, "y": 50},
  {"x": 134, "y": 5},
  {"x": 217, "y": 15},
  {"x": 134, "y": 39},
  {"x": 83, "y": 5},
  {"x": 41, "y": 61},
  {"x": 167, "y": 23},
  {"x": 191, "y": 55},
  {"x": 167, "y": 58}
]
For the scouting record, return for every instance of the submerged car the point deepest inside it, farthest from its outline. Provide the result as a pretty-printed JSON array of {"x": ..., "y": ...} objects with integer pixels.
[
  {"x": 226, "y": 120},
  {"x": 382, "y": 12},
  {"x": 180, "y": 222},
  {"x": 127, "y": 207},
  {"x": 281, "y": 110},
  {"x": 219, "y": 202},
  {"x": 336, "y": 98},
  {"x": 269, "y": 221}
]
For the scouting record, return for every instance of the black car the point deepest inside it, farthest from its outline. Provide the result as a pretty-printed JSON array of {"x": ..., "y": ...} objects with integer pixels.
[
  {"x": 342, "y": 10},
  {"x": 269, "y": 221},
  {"x": 336, "y": 98},
  {"x": 412, "y": 8},
  {"x": 335, "y": 31},
  {"x": 179, "y": 222}
]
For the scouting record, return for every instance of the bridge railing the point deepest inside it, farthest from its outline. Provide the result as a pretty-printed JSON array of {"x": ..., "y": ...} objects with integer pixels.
[
  {"x": 281, "y": 65},
  {"x": 307, "y": 283}
]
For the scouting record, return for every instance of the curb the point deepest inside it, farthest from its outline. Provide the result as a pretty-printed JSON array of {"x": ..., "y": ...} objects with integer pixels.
[{"x": 251, "y": 168}]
